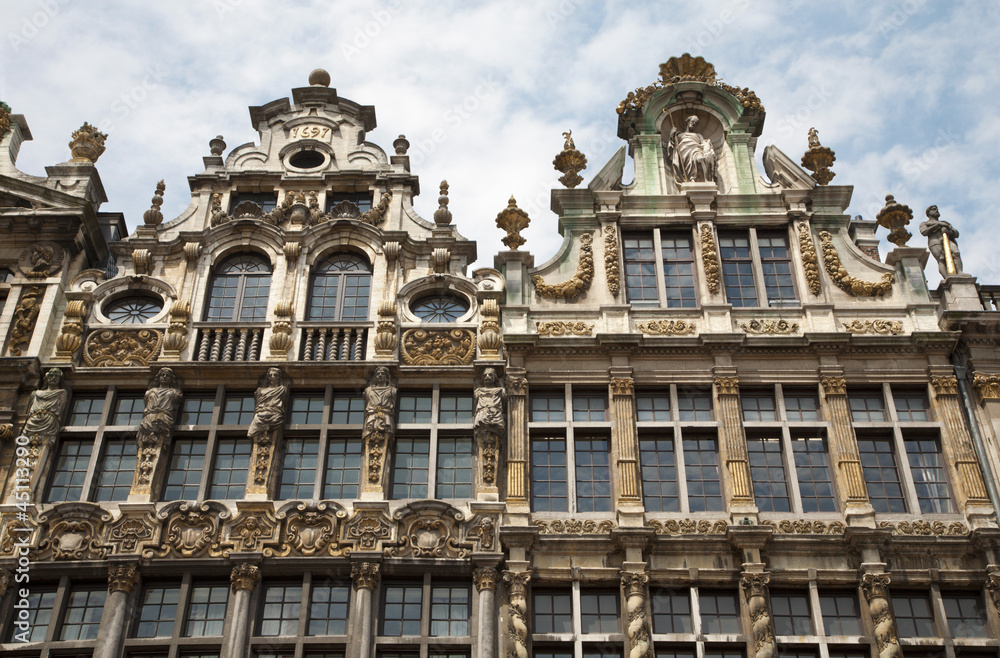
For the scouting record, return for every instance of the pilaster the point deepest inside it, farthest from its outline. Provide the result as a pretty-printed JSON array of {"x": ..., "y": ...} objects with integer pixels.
[
  {"x": 734, "y": 442},
  {"x": 517, "y": 444},
  {"x": 626, "y": 442},
  {"x": 844, "y": 445}
]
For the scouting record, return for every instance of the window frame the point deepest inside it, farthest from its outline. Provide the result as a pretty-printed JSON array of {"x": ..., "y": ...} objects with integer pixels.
[
  {"x": 658, "y": 261},
  {"x": 239, "y": 309},
  {"x": 341, "y": 276},
  {"x": 757, "y": 260}
]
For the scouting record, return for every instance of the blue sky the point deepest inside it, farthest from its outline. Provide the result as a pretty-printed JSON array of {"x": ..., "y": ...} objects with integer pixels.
[{"x": 904, "y": 91}]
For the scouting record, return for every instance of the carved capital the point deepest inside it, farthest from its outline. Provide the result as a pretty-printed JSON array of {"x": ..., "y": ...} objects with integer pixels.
[
  {"x": 727, "y": 386},
  {"x": 947, "y": 385},
  {"x": 622, "y": 386},
  {"x": 993, "y": 588},
  {"x": 634, "y": 583},
  {"x": 365, "y": 575},
  {"x": 122, "y": 577},
  {"x": 987, "y": 386},
  {"x": 516, "y": 582},
  {"x": 517, "y": 386},
  {"x": 485, "y": 578},
  {"x": 245, "y": 576},
  {"x": 875, "y": 585},
  {"x": 754, "y": 584},
  {"x": 834, "y": 385}
]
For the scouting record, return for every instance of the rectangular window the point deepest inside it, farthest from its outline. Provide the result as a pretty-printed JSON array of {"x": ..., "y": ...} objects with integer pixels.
[
  {"x": 39, "y": 616},
  {"x": 840, "y": 613},
  {"x": 401, "y": 609},
  {"x": 881, "y": 476},
  {"x": 724, "y": 653},
  {"x": 776, "y": 264},
  {"x": 548, "y": 409},
  {"x": 812, "y": 467},
  {"x": 454, "y": 468},
  {"x": 911, "y": 407},
  {"x": 298, "y": 471},
  {"x": 232, "y": 463},
  {"x": 206, "y": 611},
  {"x": 659, "y": 475},
  {"x": 115, "y": 478},
  {"x": 238, "y": 410},
  {"x": 867, "y": 407},
  {"x": 653, "y": 408},
  {"x": 342, "y": 477},
  {"x": 589, "y": 408},
  {"x": 409, "y": 473},
  {"x": 801, "y": 406},
  {"x": 694, "y": 406},
  {"x": 449, "y": 611},
  {"x": 671, "y": 612},
  {"x": 197, "y": 410},
  {"x": 548, "y": 475},
  {"x": 158, "y": 611},
  {"x": 678, "y": 270},
  {"x": 128, "y": 410},
  {"x": 328, "y": 610},
  {"x": 86, "y": 411},
  {"x": 70, "y": 471},
  {"x": 928, "y": 472},
  {"x": 280, "y": 612},
  {"x": 599, "y": 612},
  {"x": 720, "y": 613},
  {"x": 737, "y": 269},
  {"x": 82, "y": 616},
  {"x": 758, "y": 408},
  {"x": 348, "y": 410},
  {"x": 415, "y": 408},
  {"x": 593, "y": 475},
  {"x": 701, "y": 461},
  {"x": 792, "y": 614},
  {"x": 913, "y": 615},
  {"x": 966, "y": 615},
  {"x": 455, "y": 409},
  {"x": 306, "y": 410},
  {"x": 553, "y": 612},
  {"x": 184, "y": 471},
  {"x": 640, "y": 268},
  {"x": 767, "y": 472}
]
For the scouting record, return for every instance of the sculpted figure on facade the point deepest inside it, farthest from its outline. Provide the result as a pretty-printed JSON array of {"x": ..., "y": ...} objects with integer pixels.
[
  {"x": 692, "y": 156},
  {"x": 269, "y": 404},
  {"x": 162, "y": 399},
  {"x": 46, "y": 408},
  {"x": 489, "y": 422},
  {"x": 380, "y": 409},
  {"x": 941, "y": 240}
]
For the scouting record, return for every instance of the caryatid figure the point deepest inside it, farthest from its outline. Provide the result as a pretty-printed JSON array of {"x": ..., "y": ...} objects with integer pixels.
[
  {"x": 380, "y": 410},
  {"x": 489, "y": 423}
]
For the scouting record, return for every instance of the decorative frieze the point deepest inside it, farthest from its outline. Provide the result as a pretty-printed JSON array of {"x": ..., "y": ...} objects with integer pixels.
[
  {"x": 556, "y": 329},
  {"x": 846, "y": 282},
  {"x": 438, "y": 347},
  {"x": 667, "y": 327},
  {"x": 579, "y": 283},
  {"x": 926, "y": 528},
  {"x": 574, "y": 527},
  {"x": 804, "y": 527},
  {"x": 611, "y": 266},
  {"x": 111, "y": 348},
  {"x": 709, "y": 258},
  {"x": 688, "y": 527},
  {"x": 881, "y": 327},
  {"x": 756, "y": 326}
]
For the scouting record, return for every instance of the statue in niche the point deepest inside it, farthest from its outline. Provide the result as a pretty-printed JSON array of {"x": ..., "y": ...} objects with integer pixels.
[
  {"x": 937, "y": 232},
  {"x": 162, "y": 399},
  {"x": 380, "y": 409},
  {"x": 46, "y": 409},
  {"x": 269, "y": 403},
  {"x": 692, "y": 157},
  {"x": 488, "y": 424}
]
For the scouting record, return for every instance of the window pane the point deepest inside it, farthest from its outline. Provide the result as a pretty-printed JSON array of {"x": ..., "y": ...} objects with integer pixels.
[
  {"x": 792, "y": 614},
  {"x": 553, "y": 612},
  {"x": 767, "y": 472},
  {"x": 342, "y": 477},
  {"x": 82, "y": 616},
  {"x": 184, "y": 472},
  {"x": 678, "y": 270},
  {"x": 328, "y": 611},
  {"x": 454, "y": 468},
  {"x": 758, "y": 407},
  {"x": 39, "y": 616},
  {"x": 114, "y": 480},
  {"x": 911, "y": 407},
  {"x": 801, "y": 407},
  {"x": 411, "y": 464},
  {"x": 415, "y": 408},
  {"x": 694, "y": 406},
  {"x": 659, "y": 475},
  {"x": 879, "y": 464},
  {"x": 86, "y": 411},
  {"x": 455, "y": 409},
  {"x": 701, "y": 461},
  {"x": 966, "y": 615},
  {"x": 298, "y": 471},
  {"x": 653, "y": 407},
  {"x": 599, "y": 612},
  {"x": 280, "y": 610},
  {"x": 232, "y": 463},
  {"x": 590, "y": 408},
  {"x": 640, "y": 268},
  {"x": 158, "y": 611},
  {"x": 306, "y": 410},
  {"x": 840, "y": 614},
  {"x": 719, "y": 613},
  {"x": 776, "y": 265},
  {"x": 347, "y": 410},
  {"x": 197, "y": 410},
  {"x": 128, "y": 410},
  {"x": 928, "y": 471},
  {"x": 737, "y": 270},
  {"x": 671, "y": 612},
  {"x": 206, "y": 610},
  {"x": 593, "y": 475},
  {"x": 867, "y": 407},
  {"x": 548, "y": 475},
  {"x": 813, "y": 470},
  {"x": 238, "y": 410},
  {"x": 70, "y": 471},
  {"x": 913, "y": 615},
  {"x": 401, "y": 610},
  {"x": 548, "y": 409},
  {"x": 450, "y": 611}
]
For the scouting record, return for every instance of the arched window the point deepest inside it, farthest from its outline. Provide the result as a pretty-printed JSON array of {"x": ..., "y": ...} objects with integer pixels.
[
  {"x": 238, "y": 289},
  {"x": 341, "y": 287},
  {"x": 440, "y": 308}
]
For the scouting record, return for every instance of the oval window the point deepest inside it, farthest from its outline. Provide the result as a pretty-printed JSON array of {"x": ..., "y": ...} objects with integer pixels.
[
  {"x": 307, "y": 159},
  {"x": 136, "y": 309},
  {"x": 439, "y": 308}
]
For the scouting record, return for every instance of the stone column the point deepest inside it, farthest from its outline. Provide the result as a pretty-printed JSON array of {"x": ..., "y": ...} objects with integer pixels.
[
  {"x": 844, "y": 444},
  {"x": 122, "y": 579},
  {"x": 875, "y": 585},
  {"x": 517, "y": 442},
  {"x": 517, "y": 612},
  {"x": 244, "y": 579},
  {"x": 949, "y": 407},
  {"x": 486, "y": 584},
  {"x": 754, "y": 585},
  {"x": 365, "y": 578},
  {"x": 734, "y": 440},
  {"x": 626, "y": 441},
  {"x": 637, "y": 622}
]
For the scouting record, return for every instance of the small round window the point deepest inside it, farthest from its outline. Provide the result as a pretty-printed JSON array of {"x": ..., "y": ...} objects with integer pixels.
[
  {"x": 133, "y": 310},
  {"x": 307, "y": 159},
  {"x": 439, "y": 308}
]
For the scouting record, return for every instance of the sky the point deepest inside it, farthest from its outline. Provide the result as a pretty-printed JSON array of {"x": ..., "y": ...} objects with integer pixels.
[{"x": 905, "y": 92}]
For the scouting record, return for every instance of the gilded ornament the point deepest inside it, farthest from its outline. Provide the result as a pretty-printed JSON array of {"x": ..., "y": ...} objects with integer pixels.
[
  {"x": 443, "y": 347},
  {"x": 69, "y": 341},
  {"x": 490, "y": 341},
  {"x": 377, "y": 215},
  {"x": 153, "y": 216},
  {"x": 926, "y": 528},
  {"x": 513, "y": 220},
  {"x": 309, "y": 529},
  {"x": 121, "y": 347},
  {"x": 986, "y": 385},
  {"x": 130, "y": 531},
  {"x": 142, "y": 259},
  {"x": 686, "y": 69},
  {"x": 579, "y": 283},
  {"x": 727, "y": 386},
  {"x": 688, "y": 527},
  {"x": 442, "y": 216},
  {"x": 667, "y": 327},
  {"x": 559, "y": 328},
  {"x": 87, "y": 144},
  {"x": 245, "y": 577},
  {"x": 845, "y": 281},
  {"x": 883, "y": 327},
  {"x": 385, "y": 336},
  {"x": 570, "y": 162},
  {"x": 41, "y": 260},
  {"x": 895, "y": 217},
  {"x": 72, "y": 531},
  {"x": 367, "y": 531},
  {"x": 253, "y": 528},
  {"x": 23, "y": 323},
  {"x": 485, "y": 578},
  {"x": 611, "y": 266},
  {"x": 709, "y": 258},
  {"x": 574, "y": 527},
  {"x": 365, "y": 575},
  {"x": 123, "y": 577},
  {"x": 810, "y": 262},
  {"x": 423, "y": 536},
  {"x": 281, "y": 329},
  {"x": 6, "y": 432},
  {"x": 4, "y": 119},
  {"x": 191, "y": 530},
  {"x": 176, "y": 338},
  {"x": 622, "y": 386},
  {"x": 804, "y": 527},
  {"x": 756, "y": 326},
  {"x": 818, "y": 159},
  {"x": 947, "y": 385}
]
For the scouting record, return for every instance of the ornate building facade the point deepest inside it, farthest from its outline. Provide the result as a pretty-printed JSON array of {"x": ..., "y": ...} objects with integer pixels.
[{"x": 291, "y": 422}]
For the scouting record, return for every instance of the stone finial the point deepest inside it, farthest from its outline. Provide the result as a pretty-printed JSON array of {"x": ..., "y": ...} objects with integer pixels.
[
  {"x": 895, "y": 216},
  {"x": 570, "y": 162},
  {"x": 442, "y": 216},
  {"x": 401, "y": 145},
  {"x": 217, "y": 145},
  {"x": 87, "y": 144},
  {"x": 153, "y": 216},
  {"x": 818, "y": 159},
  {"x": 4, "y": 119},
  {"x": 513, "y": 220},
  {"x": 319, "y": 78}
]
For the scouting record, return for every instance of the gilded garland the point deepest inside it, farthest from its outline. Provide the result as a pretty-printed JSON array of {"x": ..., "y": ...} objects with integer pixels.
[
  {"x": 580, "y": 283},
  {"x": 710, "y": 259},
  {"x": 686, "y": 69},
  {"x": 845, "y": 281},
  {"x": 810, "y": 263},
  {"x": 611, "y": 266}
]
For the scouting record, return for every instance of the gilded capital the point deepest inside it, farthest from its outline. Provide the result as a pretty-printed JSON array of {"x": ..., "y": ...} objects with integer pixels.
[
  {"x": 485, "y": 578},
  {"x": 947, "y": 385},
  {"x": 245, "y": 576},
  {"x": 622, "y": 386},
  {"x": 727, "y": 385},
  {"x": 987, "y": 386},
  {"x": 754, "y": 584},
  {"x": 122, "y": 577},
  {"x": 834, "y": 385},
  {"x": 365, "y": 575},
  {"x": 875, "y": 585},
  {"x": 634, "y": 583}
]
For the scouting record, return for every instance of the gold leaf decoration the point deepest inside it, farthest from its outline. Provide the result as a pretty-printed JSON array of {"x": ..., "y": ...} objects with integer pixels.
[
  {"x": 611, "y": 267},
  {"x": 667, "y": 327},
  {"x": 710, "y": 259},
  {"x": 580, "y": 283},
  {"x": 845, "y": 281},
  {"x": 769, "y": 327},
  {"x": 810, "y": 262},
  {"x": 556, "y": 328},
  {"x": 454, "y": 347},
  {"x": 121, "y": 347}
]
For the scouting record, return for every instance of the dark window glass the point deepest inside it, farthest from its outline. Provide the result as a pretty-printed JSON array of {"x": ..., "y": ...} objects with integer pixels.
[
  {"x": 455, "y": 409},
  {"x": 812, "y": 466},
  {"x": 280, "y": 611},
  {"x": 659, "y": 475},
  {"x": 114, "y": 481},
  {"x": 238, "y": 410},
  {"x": 792, "y": 614},
  {"x": 800, "y": 406},
  {"x": 415, "y": 408},
  {"x": 401, "y": 609},
  {"x": 449, "y": 610},
  {"x": 737, "y": 269},
  {"x": 590, "y": 408},
  {"x": 158, "y": 611},
  {"x": 599, "y": 612},
  {"x": 306, "y": 410},
  {"x": 758, "y": 407},
  {"x": 678, "y": 270},
  {"x": 548, "y": 475},
  {"x": 593, "y": 475},
  {"x": 39, "y": 616},
  {"x": 767, "y": 472},
  {"x": 82, "y": 616},
  {"x": 548, "y": 409},
  {"x": 232, "y": 462},
  {"x": 197, "y": 410},
  {"x": 723, "y": 653},
  {"x": 86, "y": 411},
  {"x": 911, "y": 407},
  {"x": 298, "y": 471},
  {"x": 454, "y": 468},
  {"x": 966, "y": 615},
  {"x": 553, "y": 612},
  {"x": 133, "y": 310},
  {"x": 340, "y": 289},
  {"x": 342, "y": 477},
  {"x": 238, "y": 289},
  {"x": 913, "y": 615},
  {"x": 184, "y": 472},
  {"x": 694, "y": 406},
  {"x": 640, "y": 268},
  {"x": 328, "y": 610},
  {"x": 128, "y": 410},
  {"x": 347, "y": 410},
  {"x": 840, "y": 613},
  {"x": 409, "y": 473},
  {"x": 928, "y": 472},
  {"x": 867, "y": 407},
  {"x": 653, "y": 407},
  {"x": 206, "y": 610},
  {"x": 720, "y": 613},
  {"x": 70, "y": 471},
  {"x": 776, "y": 264},
  {"x": 440, "y": 308},
  {"x": 881, "y": 476},
  {"x": 701, "y": 461},
  {"x": 671, "y": 611}
]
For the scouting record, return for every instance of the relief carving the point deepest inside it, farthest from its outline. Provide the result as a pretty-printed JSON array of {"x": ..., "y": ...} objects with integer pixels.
[
  {"x": 367, "y": 528},
  {"x": 255, "y": 526},
  {"x": 23, "y": 323},
  {"x": 517, "y": 633},
  {"x": 380, "y": 413},
  {"x": 490, "y": 340},
  {"x": 485, "y": 533},
  {"x": 123, "y": 577},
  {"x": 755, "y": 590},
  {"x": 428, "y": 529},
  {"x": 834, "y": 385},
  {"x": 244, "y": 577},
  {"x": 441, "y": 347},
  {"x": 637, "y": 630},
  {"x": 72, "y": 531},
  {"x": 579, "y": 283},
  {"x": 810, "y": 262},
  {"x": 803, "y": 527},
  {"x": 270, "y": 403},
  {"x": 688, "y": 527},
  {"x": 176, "y": 338},
  {"x": 162, "y": 400},
  {"x": 69, "y": 341},
  {"x": 485, "y": 578},
  {"x": 882, "y": 327},
  {"x": 667, "y": 327},
  {"x": 709, "y": 258},
  {"x": 308, "y": 529},
  {"x": 875, "y": 585},
  {"x": 121, "y": 347},
  {"x": 128, "y": 533},
  {"x": 574, "y": 527},
  {"x": 611, "y": 266},
  {"x": 489, "y": 424},
  {"x": 45, "y": 412},
  {"x": 846, "y": 282},
  {"x": 926, "y": 528},
  {"x": 41, "y": 260},
  {"x": 986, "y": 385},
  {"x": 727, "y": 386},
  {"x": 555, "y": 329},
  {"x": 365, "y": 575},
  {"x": 769, "y": 327},
  {"x": 191, "y": 530}
]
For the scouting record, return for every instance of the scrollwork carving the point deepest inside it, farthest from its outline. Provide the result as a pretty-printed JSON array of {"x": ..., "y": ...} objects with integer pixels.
[
  {"x": 804, "y": 527},
  {"x": 611, "y": 266},
  {"x": 688, "y": 527},
  {"x": 444, "y": 347},
  {"x": 69, "y": 340},
  {"x": 756, "y": 326},
  {"x": 191, "y": 530},
  {"x": 667, "y": 327},
  {"x": 309, "y": 529},
  {"x": 926, "y": 528},
  {"x": 121, "y": 347},
  {"x": 810, "y": 262},
  {"x": 23, "y": 323},
  {"x": 883, "y": 327},
  {"x": 557, "y": 328},
  {"x": 845, "y": 281},
  {"x": 574, "y": 527},
  {"x": 579, "y": 283},
  {"x": 709, "y": 258}
]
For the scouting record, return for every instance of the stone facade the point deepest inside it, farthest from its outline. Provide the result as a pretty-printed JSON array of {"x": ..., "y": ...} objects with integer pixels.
[{"x": 291, "y": 422}]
